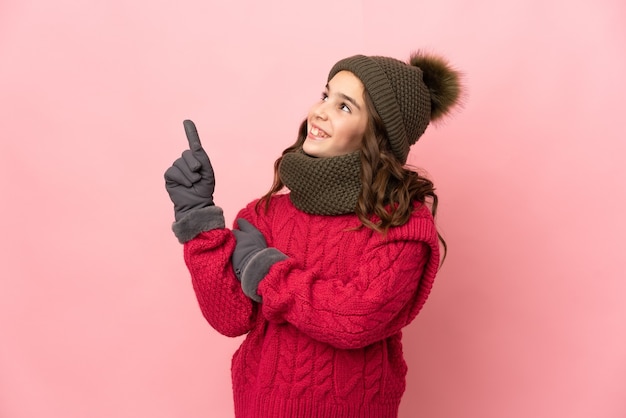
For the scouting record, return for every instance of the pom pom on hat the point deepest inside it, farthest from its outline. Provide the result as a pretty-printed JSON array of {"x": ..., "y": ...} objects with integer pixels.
[
  {"x": 443, "y": 82},
  {"x": 407, "y": 96}
]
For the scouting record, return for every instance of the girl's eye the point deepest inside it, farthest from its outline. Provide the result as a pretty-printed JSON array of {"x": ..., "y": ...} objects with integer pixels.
[
  {"x": 345, "y": 108},
  {"x": 324, "y": 97}
]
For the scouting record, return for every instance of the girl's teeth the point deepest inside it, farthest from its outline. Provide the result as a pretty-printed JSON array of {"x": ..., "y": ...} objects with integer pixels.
[{"x": 317, "y": 132}]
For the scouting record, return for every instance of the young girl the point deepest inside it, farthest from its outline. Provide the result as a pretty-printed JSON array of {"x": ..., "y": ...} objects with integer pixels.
[{"x": 322, "y": 279}]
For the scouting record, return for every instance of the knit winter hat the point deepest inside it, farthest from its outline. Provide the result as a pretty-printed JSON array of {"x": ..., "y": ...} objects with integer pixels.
[{"x": 406, "y": 96}]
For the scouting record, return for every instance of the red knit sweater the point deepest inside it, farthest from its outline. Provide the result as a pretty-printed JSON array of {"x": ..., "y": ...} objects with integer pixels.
[{"x": 325, "y": 342}]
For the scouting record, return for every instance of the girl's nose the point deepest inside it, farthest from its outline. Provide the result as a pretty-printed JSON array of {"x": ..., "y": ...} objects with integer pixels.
[{"x": 320, "y": 112}]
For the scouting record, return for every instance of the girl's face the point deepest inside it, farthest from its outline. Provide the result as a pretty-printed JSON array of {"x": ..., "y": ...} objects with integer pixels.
[{"x": 337, "y": 123}]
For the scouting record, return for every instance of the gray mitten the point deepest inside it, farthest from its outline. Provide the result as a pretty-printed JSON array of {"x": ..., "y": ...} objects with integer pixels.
[
  {"x": 190, "y": 182},
  {"x": 252, "y": 258}
]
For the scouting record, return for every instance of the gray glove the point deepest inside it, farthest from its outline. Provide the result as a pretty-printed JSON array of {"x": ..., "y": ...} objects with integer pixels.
[
  {"x": 190, "y": 182},
  {"x": 252, "y": 258}
]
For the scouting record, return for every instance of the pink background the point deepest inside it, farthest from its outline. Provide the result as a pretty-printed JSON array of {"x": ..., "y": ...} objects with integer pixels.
[{"x": 97, "y": 314}]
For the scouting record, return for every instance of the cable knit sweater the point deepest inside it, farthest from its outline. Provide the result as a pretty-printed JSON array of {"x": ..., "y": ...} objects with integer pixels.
[{"x": 326, "y": 341}]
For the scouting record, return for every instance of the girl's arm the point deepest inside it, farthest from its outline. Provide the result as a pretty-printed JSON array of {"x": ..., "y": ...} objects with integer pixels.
[
  {"x": 223, "y": 303},
  {"x": 378, "y": 299}
]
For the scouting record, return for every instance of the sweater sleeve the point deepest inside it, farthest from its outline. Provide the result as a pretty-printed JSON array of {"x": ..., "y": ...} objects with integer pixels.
[
  {"x": 383, "y": 294},
  {"x": 219, "y": 294}
]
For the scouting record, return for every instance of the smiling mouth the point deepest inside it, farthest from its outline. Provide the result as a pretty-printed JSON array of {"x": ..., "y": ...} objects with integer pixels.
[{"x": 318, "y": 133}]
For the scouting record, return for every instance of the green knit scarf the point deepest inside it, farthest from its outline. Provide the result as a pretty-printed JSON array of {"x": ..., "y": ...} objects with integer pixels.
[{"x": 322, "y": 186}]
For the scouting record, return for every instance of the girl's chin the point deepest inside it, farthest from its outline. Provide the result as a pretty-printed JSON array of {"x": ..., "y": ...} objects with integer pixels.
[
  {"x": 314, "y": 139},
  {"x": 309, "y": 147}
]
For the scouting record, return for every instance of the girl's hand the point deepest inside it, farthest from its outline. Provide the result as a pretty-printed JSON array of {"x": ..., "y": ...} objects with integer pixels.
[
  {"x": 252, "y": 259},
  {"x": 190, "y": 181}
]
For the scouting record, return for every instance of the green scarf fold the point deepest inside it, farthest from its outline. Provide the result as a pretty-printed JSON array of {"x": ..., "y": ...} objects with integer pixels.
[{"x": 322, "y": 186}]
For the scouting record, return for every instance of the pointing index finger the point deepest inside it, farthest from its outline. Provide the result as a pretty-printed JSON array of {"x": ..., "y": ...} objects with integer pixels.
[{"x": 192, "y": 136}]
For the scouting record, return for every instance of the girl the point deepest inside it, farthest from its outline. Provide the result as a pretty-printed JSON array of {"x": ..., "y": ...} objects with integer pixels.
[{"x": 322, "y": 277}]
